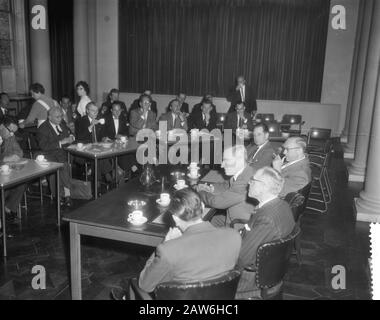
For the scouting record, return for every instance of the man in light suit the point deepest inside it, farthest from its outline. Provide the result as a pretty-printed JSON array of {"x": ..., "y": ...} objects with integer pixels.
[
  {"x": 273, "y": 220},
  {"x": 260, "y": 153},
  {"x": 239, "y": 119},
  {"x": 142, "y": 117},
  {"x": 295, "y": 167},
  {"x": 230, "y": 195},
  {"x": 175, "y": 119},
  {"x": 192, "y": 251},
  {"x": 242, "y": 92}
]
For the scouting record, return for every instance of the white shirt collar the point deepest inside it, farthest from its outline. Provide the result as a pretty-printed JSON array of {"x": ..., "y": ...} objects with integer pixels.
[
  {"x": 55, "y": 127},
  {"x": 262, "y": 204},
  {"x": 238, "y": 174},
  {"x": 293, "y": 162}
]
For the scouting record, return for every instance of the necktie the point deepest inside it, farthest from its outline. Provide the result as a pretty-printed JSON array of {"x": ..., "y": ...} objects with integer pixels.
[
  {"x": 240, "y": 122},
  {"x": 253, "y": 154},
  {"x": 59, "y": 130},
  {"x": 93, "y": 133}
]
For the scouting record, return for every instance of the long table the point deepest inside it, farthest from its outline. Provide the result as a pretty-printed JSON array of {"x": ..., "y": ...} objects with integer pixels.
[
  {"x": 106, "y": 218},
  {"x": 22, "y": 172}
]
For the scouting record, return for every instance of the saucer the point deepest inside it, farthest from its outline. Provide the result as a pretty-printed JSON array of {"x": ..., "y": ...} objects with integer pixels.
[
  {"x": 138, "y": 222},
  {"x": 180, "y": 188},
  {"x": 162, "y": 205},
  {"x": 194, "y": 178},
  {"x": 43, "y": 163}
]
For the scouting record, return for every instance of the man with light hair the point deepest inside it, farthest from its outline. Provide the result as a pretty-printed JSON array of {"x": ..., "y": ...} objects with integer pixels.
[
  {"x": 232, "y": 194},
  {"x": 294, "y": 167},
  {"x": 272, "y": 220}
]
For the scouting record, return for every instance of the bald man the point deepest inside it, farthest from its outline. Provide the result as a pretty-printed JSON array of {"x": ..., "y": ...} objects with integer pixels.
[
  {"x": 232, "y": 194},
  {"x": 52, "y": 135},
  {"x": 294, "y": 167}
]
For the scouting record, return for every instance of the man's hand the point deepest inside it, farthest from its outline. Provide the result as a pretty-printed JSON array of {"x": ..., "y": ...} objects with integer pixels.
[
  {"x": 181, "y": 117},
  {"x": 205, "y": 187},
  {"x": 174, "y": 233},
  {"x": 277, "y": 163},
  {"x": 67, "y": 140},
  {"x": 21, "y": 125}
]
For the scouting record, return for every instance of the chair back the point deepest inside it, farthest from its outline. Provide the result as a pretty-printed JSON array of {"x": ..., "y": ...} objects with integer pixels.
[
  {"x": 220, "y": 288},
  {"x": 292, "y": 119},
  {"x": 296, "y": 202},
  {"x": 319, "y": 134},
  {"x": 265, "y": 117},
  {"x": 272, "y": 260},
  {"x": 274, "y": 129}
]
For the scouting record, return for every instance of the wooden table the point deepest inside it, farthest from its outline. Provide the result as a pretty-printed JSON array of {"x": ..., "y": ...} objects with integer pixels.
[
  {"x": 22, "y": 172},
  {"x": 106, "y": 218},
  {"x": 114, "y": 152}
]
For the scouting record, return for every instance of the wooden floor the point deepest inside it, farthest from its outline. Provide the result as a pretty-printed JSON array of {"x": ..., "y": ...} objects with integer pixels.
[{"x": 328, "y": 240}]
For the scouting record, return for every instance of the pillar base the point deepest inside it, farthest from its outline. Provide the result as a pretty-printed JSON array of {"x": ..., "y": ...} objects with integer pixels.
[
  {"x": 365, "y": 214},
  {"x": 349, "y": 155},
  {"x": 356, "y": 174}
]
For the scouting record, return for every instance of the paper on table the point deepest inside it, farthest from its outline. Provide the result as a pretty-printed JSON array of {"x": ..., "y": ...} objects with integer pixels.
[{"x": 213, "y": 177}]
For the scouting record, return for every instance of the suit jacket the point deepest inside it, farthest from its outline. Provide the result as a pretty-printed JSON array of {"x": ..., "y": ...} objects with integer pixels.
[
  {"x": 137, "y": 122},
  {"x": 48, "y": 141},
  {"x": 136, "y": 105},
  {"x": 198, "y": 123},
  {"x": 202, "y": 252},
  {"x": 234, "y": 97},
  {"x": 232, "y": 196},
  {"x": 232, "y": 119},
  {"x": 85, "y": 136},
  {"x": 185, "y": 107},
  {"x": 271, "y": 222},
  {"x": 169, "y": 120},
  {"x": 198, "y": 108},
  {"x": 296, "y": 177},
  {"x": 110, "y": 130},
  {"x": 261, "y": 159},
  {"x": 108, "y": 105}
]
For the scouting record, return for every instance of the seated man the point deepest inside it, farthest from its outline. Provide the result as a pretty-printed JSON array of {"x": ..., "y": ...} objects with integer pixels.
[
  {"x": 239, "y": 119},
  {"x": 272, "y": 220},
  {"x": 52, "y": 135},
  {"x": 184, "y": 106},
  {"x": 113, "y": 97},
  {"x": 91, "y": 130},
  {"x": 230, "y": 195},
  {"x": 67, "y": 111},
  {"x": 116, "y": 124},
  {"x": 206, "y": 119},
  {"x": 261, "y": 152},
  {"x": 10, "y": 151},
  {"x": 142, "y": 117},
  {"x": 192, "y": 251},
  {"x": 198, "y": 107},
  {"x": 295, "y": 167},
  {"x": 4, "y": 106},
  {"x": 153, "y": 104},
  {"x": 40, "y": 108},
  {"x": 175, "y": 119}
]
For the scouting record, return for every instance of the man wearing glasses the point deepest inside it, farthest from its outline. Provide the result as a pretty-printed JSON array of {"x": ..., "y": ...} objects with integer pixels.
[
  {"x": 273, "y": 220},
  {"x": 294, "y": 167},
  {"x": 143, "y": 117}
]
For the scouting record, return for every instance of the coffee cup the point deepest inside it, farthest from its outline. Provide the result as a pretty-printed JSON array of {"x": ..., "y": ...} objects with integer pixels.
[
  {"x": 136, "y": 215},
  {"x": 80, "y": 145},
  {"x": 123, "y": 139},
  {"x": 193, "y": 165},
  {"x": 40, "y": 158},
  {"x": 5, "y": 169},
  {"x": 181, "y": 183},
  {"x": 102, "y": 121},
  {"x": 164, "y": 198}
]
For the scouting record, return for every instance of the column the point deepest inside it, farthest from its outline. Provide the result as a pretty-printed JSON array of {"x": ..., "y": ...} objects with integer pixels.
[
  {"x": 368, "y": 205},
  {"x": 81, "y": 50},
  {"x": 40, "y": 45},
  {"x": 358, "y": 167},
  {"x": 359, "y": 28},
  {"x": 358, "y": 88}
]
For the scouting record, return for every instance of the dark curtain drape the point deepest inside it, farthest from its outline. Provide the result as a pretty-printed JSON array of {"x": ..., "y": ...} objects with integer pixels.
[
  {"x": 199, "y": 46},
  {"x": 61, "y": 47}
]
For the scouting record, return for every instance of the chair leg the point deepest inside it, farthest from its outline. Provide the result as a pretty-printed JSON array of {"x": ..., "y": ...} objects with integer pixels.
[{"x": 41, "y": 192}]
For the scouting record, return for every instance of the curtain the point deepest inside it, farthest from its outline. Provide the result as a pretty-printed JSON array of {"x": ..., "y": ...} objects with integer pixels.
[
  {"x": 200, "y": 46},
  {"x": 61, "y": 47}
]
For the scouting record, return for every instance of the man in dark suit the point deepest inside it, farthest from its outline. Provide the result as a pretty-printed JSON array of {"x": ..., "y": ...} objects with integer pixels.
[
  {"x": 230, "y": 195},
  {"x": 142, "y": 117},
  {"x": 260, "y": 152},
  {"x": 198, "y": 107},
  {"x": 192, "y": 251},
  {"x": 273, "y": 220},
  {"x": 113, "y": 97},
  {"x": 67, "y": 112},
  {"x": 175, "y": 119},
  {"x": 239, "y": 119},
  {"x": 4, "y": 105},
  {"x": 294, "y": 167},
  {"x": 153, "y": 104},
  {"x": 52, "y": 135},
  {"x": 116, "y": 124},
  {"x": 206, "y": 119},
  {"x": 90, "y": 129},
  {"x": 241, "y": 92}
]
